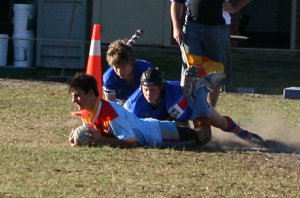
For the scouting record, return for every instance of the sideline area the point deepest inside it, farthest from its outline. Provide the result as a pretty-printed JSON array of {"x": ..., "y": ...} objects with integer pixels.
[{"x": 266, "y": 71}]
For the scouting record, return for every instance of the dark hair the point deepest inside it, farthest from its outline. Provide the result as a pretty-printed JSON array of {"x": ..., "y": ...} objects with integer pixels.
[{"x": 84, "y": 82}]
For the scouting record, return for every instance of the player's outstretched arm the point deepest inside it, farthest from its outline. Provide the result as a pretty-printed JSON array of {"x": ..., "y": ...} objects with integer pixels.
[{"x": 90, "y": 136}]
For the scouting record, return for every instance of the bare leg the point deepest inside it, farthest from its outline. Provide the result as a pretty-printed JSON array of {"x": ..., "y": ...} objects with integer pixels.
[
  {"x": 217, "y": 120},
  {"x": 212, "y": 97},
  {"x": 203, "y": 129}
]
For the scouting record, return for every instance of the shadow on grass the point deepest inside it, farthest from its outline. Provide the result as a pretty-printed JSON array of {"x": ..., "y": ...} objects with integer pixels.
[{"x": 272, "y": 146}]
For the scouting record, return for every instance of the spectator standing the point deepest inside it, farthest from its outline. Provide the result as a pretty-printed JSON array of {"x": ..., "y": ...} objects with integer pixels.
[{"x": 206, "y": 32}]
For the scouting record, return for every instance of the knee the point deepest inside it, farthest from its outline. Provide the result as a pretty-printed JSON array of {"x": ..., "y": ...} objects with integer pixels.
[
  {"x": 203, "y": 128},
  {"x": 204, "y": 135},
  {"x": 220, "y": 123}
]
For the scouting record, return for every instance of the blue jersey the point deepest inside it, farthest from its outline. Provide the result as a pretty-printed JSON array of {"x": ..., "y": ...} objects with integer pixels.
[
  {"x": 173, "y": 104},
  {"x": 113, "y": 83},
  {"x": 120, "y": 123}
]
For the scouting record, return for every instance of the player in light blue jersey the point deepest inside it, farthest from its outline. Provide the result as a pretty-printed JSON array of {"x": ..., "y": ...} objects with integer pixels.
[{"x": 112, "y": 125}]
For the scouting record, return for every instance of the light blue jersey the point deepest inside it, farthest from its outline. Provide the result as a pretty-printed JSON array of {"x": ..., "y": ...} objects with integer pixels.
[{"x": 124, "y": 125}]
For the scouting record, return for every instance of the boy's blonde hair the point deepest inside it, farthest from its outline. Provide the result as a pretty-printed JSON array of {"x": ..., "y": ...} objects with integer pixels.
[{"x": 119, "y": 53}]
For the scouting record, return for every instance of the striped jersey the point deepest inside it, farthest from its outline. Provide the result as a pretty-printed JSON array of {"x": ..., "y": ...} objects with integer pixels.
[{"x": 115, "y": 121}]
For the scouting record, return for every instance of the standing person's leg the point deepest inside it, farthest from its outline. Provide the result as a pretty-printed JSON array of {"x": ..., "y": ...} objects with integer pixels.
[
  {"x": 192, "y": 40},
  {"x": 217, "y": 48},
  {"x": 213, "y": 96},
  {"x": 193, "y": 36}
]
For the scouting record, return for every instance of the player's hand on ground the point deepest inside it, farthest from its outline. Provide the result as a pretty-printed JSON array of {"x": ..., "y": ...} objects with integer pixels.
[
  {"x": 71, "y": 138},
  {"x": 97, "y": 136}
]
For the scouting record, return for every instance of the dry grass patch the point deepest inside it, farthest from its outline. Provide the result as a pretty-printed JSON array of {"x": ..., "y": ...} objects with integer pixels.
[{"x": 36, "y": 160}]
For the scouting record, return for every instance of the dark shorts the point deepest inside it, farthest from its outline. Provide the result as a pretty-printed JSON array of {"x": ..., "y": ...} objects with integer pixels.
[{"x": 210, "y": 41}]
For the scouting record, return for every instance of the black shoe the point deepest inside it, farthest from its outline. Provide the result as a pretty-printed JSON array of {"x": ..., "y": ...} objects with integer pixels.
[{"x": 256, "y": 139}]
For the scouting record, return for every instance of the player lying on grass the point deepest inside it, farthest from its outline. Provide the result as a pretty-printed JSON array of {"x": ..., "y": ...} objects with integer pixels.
[
  {"x": 161, "y": 99},
  {"x": 110, "y": 124}
]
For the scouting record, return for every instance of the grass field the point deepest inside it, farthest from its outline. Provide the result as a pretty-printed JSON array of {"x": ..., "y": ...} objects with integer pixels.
[{"x": 36, "y": 160}]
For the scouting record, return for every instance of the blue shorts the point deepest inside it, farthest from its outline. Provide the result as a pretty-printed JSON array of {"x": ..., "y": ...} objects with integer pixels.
[
  {"x": 199, "y": 104},
  {"x": 210, "y": 41}
]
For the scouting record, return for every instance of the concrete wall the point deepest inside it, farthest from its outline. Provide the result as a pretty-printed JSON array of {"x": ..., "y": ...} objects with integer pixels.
[
  {"x": 61, "y": 32},
  {"x": 120, "y": 19},
  {"x": 269, "y": 26},
  {"x": 297, "y": 25}
]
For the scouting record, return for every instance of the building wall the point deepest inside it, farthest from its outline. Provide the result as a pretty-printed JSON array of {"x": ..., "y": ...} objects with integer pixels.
[
  {"x": 154, "y": 18},
  {"x": 61, "y": 29},
  {"x": 267, "y": 26},
  {"x": 120, "y": 19},
  {"x": 235, "y": 29},
  {"x": 298, "y": 26}
]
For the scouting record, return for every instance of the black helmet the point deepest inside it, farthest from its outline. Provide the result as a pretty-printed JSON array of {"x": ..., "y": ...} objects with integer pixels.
[{"x": 152, "y": 76}]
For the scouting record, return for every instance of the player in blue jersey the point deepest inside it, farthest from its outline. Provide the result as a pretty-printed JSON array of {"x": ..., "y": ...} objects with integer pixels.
[
  {"x": 122, "y": 78},
  {"x": 161, "y": 99},
  {"x": 112, "y": 125}
]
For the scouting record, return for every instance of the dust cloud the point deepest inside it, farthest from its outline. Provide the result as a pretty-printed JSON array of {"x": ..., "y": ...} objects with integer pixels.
[{"x": 280, "y": 133}]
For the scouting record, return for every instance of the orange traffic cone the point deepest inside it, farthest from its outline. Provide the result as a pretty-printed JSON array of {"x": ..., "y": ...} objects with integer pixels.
[{"x": 94, "y": 64}]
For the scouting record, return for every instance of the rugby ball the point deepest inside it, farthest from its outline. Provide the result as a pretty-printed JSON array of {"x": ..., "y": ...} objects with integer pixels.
[{"x": 82, "y": 136}]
